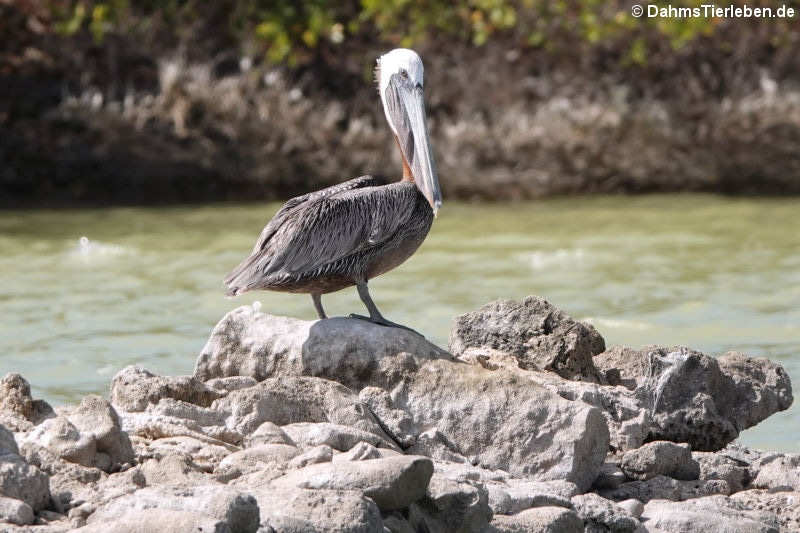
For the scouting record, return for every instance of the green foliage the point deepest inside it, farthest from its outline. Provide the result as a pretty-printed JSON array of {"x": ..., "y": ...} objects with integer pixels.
[{"x": 290, "y": 31}]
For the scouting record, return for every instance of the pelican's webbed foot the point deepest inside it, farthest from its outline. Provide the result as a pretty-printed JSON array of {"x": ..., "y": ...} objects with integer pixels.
[{"x": 380, "y": 321}]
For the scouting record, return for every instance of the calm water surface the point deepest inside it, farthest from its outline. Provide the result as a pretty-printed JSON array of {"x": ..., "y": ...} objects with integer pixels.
[{"x": 144, "y": 286}]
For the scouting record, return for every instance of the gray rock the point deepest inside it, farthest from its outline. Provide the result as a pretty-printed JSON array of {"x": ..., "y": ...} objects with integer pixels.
[
  {"x": 450, "y": 506},
  {"x": 660, "y": 458},
  {"x": 698, "y": 399},
  {"x": 24, "y": 482},
  {"x": 392, "y": 482},
  {"x": 205, "y": 455},
  {"x": 513, "y": 424},
  {"x": 15, "y": 511},
  {"x": 514, "y": 496},
  {"x": 361, "y": 452},
  {"x": 231, "y": 383},
  {"x": 291, "y": 510},
  {"x": 318, "y": 454},
  {"x": 237, "y": 509},
  {"x": 17, "y": 402},
  {"x": 134, "y": 388},
  {"x": 712, "y": 513},
  {"x": 161, "y": 520},
  {"x": 337, "y": 436},
  {"x": 174, "y": 418},
  {"x": 97, "y": 418},
  {"x": 397, "y": 423},
  {"x": 599, "y": 514},
  {"x": 173, "y": 469},
  {"x": 340, "y": 349},
  {"x": 495, "y": 430},
  {"x": 537, "y": 334},
  {"x": 290, "y": 400},
  {"x": 665, "y": 488},
  {"x": 716, "y": 465},
  {"x": 783, "y": 504},
  {"x": 538, "y": 520},
  {"x": 263, "y": 457},
  {"x": 611, "y": 476},
  {"x": 8, "y": 443},
  {"x": 633, "y": 507},
  {"x": 62, "y": 438},
  {"x": 781, "y": 472},
  {"x": 434, "y": 444},
  {"x": 267, "y": 433}
]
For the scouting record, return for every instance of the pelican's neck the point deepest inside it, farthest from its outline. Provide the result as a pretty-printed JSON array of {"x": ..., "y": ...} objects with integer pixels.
[{"x": 407, "y": 175}]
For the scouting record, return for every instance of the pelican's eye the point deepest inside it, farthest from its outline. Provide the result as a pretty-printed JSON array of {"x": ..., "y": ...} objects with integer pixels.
[{"x": 404, "y": 73}]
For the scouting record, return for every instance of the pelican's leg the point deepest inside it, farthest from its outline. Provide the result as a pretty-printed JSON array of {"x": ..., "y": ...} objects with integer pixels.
[
  {"x": 375, "y": 316},
  {"x": 318, "y": 305}
]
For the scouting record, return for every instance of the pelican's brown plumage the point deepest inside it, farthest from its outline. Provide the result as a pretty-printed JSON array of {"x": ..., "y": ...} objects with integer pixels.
[{"x": 347, "y": 234}]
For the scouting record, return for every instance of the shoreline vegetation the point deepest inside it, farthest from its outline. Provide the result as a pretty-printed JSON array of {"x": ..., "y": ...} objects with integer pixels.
[
  {"x": 105, "y": 103},
  {"x": 528, "y": 422}
]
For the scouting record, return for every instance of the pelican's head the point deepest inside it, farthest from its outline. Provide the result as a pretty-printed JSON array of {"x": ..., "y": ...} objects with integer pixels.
[{"x": 400, "y": 82}]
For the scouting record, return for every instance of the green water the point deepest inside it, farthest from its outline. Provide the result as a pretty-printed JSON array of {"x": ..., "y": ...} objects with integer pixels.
[{"x": 712, "y": 273}]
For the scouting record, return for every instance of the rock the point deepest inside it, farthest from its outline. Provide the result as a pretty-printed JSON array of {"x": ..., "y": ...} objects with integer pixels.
[
  {"x": 665, "y": 488},
  {"x": 338, "y": 437},
  {"x": 434, "y": 444},
  {"x": 392, "y": 482},
  {"x": 250, "y": 343},
  {"x": 395, "y": 422},
  {"x": 292, "y": 510},
  {"x": 633, "y": 507},
  {"x": 231, "y": 383},
  {"x": 16, "y": 400},
  {"x": 173, "y": 469},
  {"x": 267, "y": 433},
  {"x": 172, "y": 418},
  {"x": 514, "y": 496},
  {"x": 290, "y": 400},
  {"x": 611, "y": 476},
  {"x": 599, "y": 514},
  {"x": 698, "y": 399},
  {"x": 781, "y": 472},
  {"x": 538, "y": 520},
  {"x": 423, "y": 381},
  {"x": 716, "y": 465},
  {"x": 318, "y": 454},
  {"x": 62, "y": 438},
  {"x": 265, "y": 456},
  {"x": 205, "y": 455},
  {"x": 537, "y": 334},
  {"x": 660, "y": 458},
  {"x": 97, "y": 418},
  {"x": 452, "y": 507},
  {"x": 134, "y": 388},
  {"x": 238, "y": 510},
  {"x": 784, "y": 505},
  {"x": 161, "y": 520},
  {"x": 8, "y": 443},
  {"x": 22, "y": 481},
  {"x": 15, "y": 511},
  {"x": 360, "y": 452},
  {"x": 501, "y": 420},
  {"x": 712, "y": 513}
]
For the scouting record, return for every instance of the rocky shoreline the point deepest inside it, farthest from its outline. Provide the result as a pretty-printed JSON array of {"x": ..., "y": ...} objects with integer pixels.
[{"x": 526, "y": 423}]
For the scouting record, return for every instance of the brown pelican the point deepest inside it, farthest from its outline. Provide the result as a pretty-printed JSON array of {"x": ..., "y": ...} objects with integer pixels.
[{"x": 347, "y": 234}]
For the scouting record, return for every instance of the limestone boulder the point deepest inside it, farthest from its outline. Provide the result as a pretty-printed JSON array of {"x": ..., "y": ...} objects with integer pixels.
[
  {"x": 711, "y": 513},
  {"x": 660, "y": 458},
  {"x": 293, "y": 510},
  {"x": 134, "y": 388}
]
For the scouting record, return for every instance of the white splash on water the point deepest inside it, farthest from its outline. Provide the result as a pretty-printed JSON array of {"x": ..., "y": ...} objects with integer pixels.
[
  {"x": 88, "y": 250},
  {"x": 562, "y": 256},
  {"x": 616, "y": 323},
  {"x": 256, "y": 306}
]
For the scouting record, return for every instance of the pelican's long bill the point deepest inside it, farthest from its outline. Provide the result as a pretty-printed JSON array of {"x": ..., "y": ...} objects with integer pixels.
[{"x": 406, "y": 112}]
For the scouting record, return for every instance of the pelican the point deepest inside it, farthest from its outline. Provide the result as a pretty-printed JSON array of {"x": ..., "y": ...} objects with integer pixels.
[{"x": 349, "y": 233}]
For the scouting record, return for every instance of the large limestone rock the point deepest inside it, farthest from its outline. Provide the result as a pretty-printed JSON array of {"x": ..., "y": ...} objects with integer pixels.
[
  {"x": 22, "y": 481},
  {"x": 538, "y": 520},
  {"x": 134, "y": 388},
  {"x": 391, "y": 482},
  {"x": 97, "y": 418},
  {"x": 19, "y": 411},
  {"x": 161, "y": 520},
  {"x": 536, "y": 333},
  {"x": 660, "y": 458},
  {"x": 247, "y": 342},
  {"x": 292, "y": 510},
  {"x": 237, "y": 509},
  {"x": 712, "y": 513},
  {"x": 694, "y": 398},
  {"x": 498, "y": 419}
]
